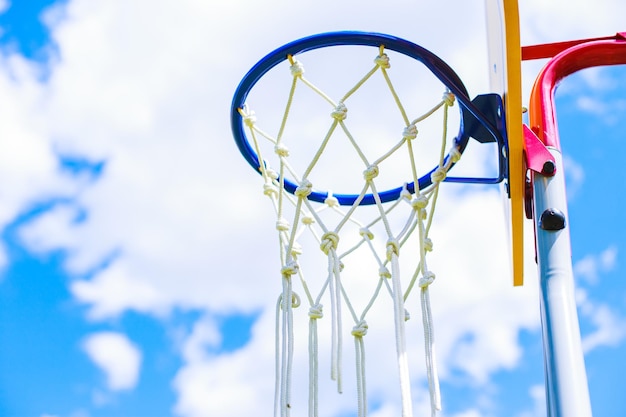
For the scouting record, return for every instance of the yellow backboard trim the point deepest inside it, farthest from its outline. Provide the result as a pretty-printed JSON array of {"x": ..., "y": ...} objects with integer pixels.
[
  {"x": 505, "y": 51},
  {"x": 513, "y": 108}
]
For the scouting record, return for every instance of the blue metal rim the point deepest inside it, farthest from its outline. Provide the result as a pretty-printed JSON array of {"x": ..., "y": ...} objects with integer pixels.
[{"x": 437, "y": 66}]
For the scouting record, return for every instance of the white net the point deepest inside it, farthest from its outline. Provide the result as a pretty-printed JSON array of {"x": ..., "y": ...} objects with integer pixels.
[{"x": 359, "y": 246}]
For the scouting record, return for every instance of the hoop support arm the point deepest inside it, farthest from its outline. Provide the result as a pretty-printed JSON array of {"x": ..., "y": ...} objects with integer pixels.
[
  {"x": 549, "y": 50},
  {"x": 542, "y": 113},
  {"x": 566, "y": 380}
]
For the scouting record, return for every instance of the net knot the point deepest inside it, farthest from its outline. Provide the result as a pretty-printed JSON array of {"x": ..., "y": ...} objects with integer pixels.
[
  {"x": 420, "y": 202},
  {"x": 249, "y": 118},
  {"x": 410, "y": 132},
  {"x": 360, "y": 329},
  {"x": 331, "y": 200},
  {"x": 383, "y": 272},
  {"x": 370, "y": 173},
  {"x": 271, "y": 173},
  {"x": 282, "y": 224},
  {"x": 308, "y": 220},
  {"x": 448, "y": 98},
  {"x": 382, "y": 61},
  {"x": 340, "y": 112},
  {"x": 315, "y": 312},
  {"x": 428, "y": 245},
  {"x": 427, "y": 279},
  {"x": 290, "y": 269},
  {"x": 297, "y": 69},
  {"x": 269, "y": 189},
  {"x": 329, "y": 241},
  {"x": 365, "y": 232},
  {"x": 281, "y": 150},
  {"x": 296, "y": 249},
  {"x": 393, "y": 247},
  {"x": 295, "y": 300},
  {"x": 304, "y": 189},
  {"x": 439, "y": 175},
  {"x": 455, "y": 155}
]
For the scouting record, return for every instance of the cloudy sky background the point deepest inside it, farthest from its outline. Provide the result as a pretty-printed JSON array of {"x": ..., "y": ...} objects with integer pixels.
[{"x": 138, "y": 277}]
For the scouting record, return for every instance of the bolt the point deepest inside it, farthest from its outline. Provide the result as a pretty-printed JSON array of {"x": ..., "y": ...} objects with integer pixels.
[
  {"x": 552, "y": 219},
  {"x": 548, "y": 168}
]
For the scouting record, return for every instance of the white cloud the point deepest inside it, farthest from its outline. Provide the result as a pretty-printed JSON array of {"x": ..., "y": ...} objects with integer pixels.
[
  {"x": 205, "y": 335},
  {"x": 589, "y": 267},
  {"x": 175, "y": 200},
  {"x": 49, "y": 230},
  {"x": 595, "y": 79},
  {"x": 538, "y": 396},
  {"x": 610, "y": 327},
  {"x": 114, "y": 290},
  {"x": 28, "y": 159},
  {"x": 595, "y": 91},
  {"x": 608, "y": 258},
  {"x": 562, "y": 20},
  {"x": 591, "y": 105},
  {"x": 609, "y": 110},
  {"x": 117, "y": 357},
  {"x": 231, "y": 384}
]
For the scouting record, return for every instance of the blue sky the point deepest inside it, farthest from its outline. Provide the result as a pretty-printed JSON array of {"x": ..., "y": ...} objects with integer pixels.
[{"x": 130, "y": 257}]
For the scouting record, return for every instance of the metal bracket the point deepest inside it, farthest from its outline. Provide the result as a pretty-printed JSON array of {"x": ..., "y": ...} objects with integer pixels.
[
  {"x": 538, "y": 158},
  {"x": 491, "y": 106}
]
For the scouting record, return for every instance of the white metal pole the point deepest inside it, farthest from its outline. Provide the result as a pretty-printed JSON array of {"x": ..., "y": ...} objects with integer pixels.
[{"x": 567, "y": 391}]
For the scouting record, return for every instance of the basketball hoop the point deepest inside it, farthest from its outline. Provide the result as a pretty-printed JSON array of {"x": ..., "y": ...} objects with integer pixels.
[{"x": 340, "y": 230}]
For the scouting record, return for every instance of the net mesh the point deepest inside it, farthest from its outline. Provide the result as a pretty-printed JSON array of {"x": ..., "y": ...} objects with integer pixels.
[{"x": 359, "y": 245}]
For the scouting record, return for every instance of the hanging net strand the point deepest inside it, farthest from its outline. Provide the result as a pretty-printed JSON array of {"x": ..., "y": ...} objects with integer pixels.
[
  {"x": 393, "y": 236},
  {"x": 329, "y": 242}
]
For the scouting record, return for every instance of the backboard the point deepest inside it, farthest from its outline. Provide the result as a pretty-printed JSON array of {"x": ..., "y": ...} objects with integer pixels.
[{"x": 503, "y": 37}]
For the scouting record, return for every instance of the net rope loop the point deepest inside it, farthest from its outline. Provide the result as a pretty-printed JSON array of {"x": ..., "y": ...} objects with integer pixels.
[{"x": 346, "y": 232}]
